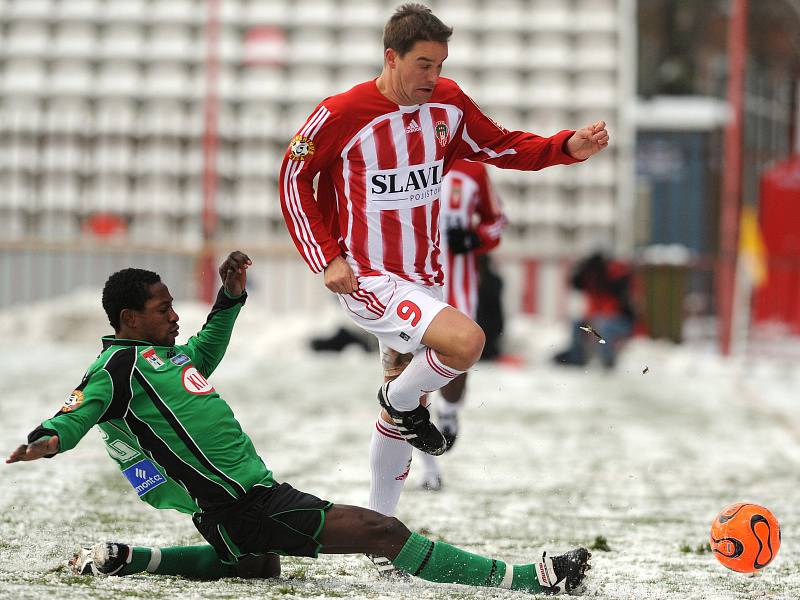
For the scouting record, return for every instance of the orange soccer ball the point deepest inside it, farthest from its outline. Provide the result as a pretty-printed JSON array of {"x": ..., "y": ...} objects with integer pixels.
[{"x": 745, "y": 537}]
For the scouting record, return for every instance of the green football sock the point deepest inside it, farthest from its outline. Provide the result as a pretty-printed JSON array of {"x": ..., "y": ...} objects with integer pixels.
[
  {"x": 443, "y": 563},
  {"x": 197, "y": 562}
]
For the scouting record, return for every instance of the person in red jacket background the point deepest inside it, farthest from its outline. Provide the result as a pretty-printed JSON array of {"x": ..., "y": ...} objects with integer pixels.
[{"x": 606, "y": 284}]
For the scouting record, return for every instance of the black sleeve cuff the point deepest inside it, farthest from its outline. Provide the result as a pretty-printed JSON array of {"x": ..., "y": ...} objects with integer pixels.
[
  {"x": 225, "y": 300},
  {"x": 39, "y": 433}
]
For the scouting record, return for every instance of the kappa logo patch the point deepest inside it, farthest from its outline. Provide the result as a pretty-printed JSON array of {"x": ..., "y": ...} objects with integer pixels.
[
  {"x": 144, "y": 476},
  {"x": 180, "y": 359},
  {"x": 154, "y": 359},
  {"x": 75, "y": 399}
]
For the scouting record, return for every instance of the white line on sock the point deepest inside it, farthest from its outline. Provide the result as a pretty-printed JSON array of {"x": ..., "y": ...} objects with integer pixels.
[
  {"x": 155, "y": 560},
  {"x": 508, "y": 577}
]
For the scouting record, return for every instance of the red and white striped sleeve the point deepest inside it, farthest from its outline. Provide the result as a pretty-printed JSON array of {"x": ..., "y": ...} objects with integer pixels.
[
  {"x": 484, "y": 140},
  {"x": 491, "y": 220},
  {"x": 312, "y": 150}
]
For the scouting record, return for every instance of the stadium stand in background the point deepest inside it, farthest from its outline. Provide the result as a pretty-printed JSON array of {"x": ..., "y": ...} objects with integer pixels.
[{"x": 104, "y": 137}]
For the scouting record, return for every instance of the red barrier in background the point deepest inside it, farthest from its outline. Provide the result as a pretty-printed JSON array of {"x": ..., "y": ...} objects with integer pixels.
[
  {"x": 530, "y": 286},
  {"x": 779, "y": 298}
]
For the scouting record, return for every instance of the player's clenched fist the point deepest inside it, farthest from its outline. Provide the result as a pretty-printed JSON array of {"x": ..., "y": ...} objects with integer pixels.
[
  {"x": 233, "y": 272},
  {"x": 588, "y": 141}
]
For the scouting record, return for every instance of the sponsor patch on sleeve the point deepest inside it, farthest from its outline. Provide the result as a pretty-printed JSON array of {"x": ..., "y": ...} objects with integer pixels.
[
  {"x": 74, "y": 401},
  {"x": 144, "y": 476},
  {"x": 301, "y": 148}
]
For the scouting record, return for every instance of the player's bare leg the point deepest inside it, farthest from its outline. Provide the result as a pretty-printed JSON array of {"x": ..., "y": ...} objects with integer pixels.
[{"x": 457, "y": 340}]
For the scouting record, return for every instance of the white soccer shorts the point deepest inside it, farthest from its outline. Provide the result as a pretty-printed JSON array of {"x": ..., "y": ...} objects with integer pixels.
[{"x": 396, "y": 311}]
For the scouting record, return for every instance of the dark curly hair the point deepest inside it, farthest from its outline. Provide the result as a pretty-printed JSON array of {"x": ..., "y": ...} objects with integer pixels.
[
  {"x": 412, "y": 23},
  {"x": 128, "y": 288}
]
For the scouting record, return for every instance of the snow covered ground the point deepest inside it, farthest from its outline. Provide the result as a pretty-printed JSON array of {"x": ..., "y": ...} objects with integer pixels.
[{"x": 548, "y": 459}]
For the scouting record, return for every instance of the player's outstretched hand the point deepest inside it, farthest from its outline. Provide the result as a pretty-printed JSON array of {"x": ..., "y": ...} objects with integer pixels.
[
  {"x": 46, "y": 446},
  {"x": 233, "y": 272},
  {"x": 588, "y": 141},
  {"x": 339, "y": 277}
]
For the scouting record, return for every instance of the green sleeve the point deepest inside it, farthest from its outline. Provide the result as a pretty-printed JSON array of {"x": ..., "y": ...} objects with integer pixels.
[
  {"x": 208, "y": 346},
  {"x": 84, "y": 407}
]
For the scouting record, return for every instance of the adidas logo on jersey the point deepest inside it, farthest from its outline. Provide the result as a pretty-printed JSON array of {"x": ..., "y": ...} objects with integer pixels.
[{"x": 413, "y": 127}]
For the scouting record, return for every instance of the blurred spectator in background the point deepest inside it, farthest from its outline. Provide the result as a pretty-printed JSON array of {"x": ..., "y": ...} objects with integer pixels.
[{"x": 606, "y": 285}]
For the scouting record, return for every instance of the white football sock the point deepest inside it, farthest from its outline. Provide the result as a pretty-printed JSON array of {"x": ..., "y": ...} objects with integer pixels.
[
  {"x": 429, "y": 462},
  {"x": 389, "y": 462},
  {"x": 445, "y": 408},
  {"x": 425, "y": 373}
]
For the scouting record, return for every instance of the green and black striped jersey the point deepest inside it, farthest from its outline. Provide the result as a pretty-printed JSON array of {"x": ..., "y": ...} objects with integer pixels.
[{"x": 172, "y": 435}]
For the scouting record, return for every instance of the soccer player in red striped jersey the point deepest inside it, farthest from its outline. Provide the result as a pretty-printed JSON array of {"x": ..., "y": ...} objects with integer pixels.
[
  {"x": 380, "y": 152},
  {"x": 471, "y": 224}
]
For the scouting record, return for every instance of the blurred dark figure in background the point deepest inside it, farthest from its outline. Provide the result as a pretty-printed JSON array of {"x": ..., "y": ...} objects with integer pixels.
[
  {"x": 343, "y": 337},
  {"x": 606, "y": 284},
  {"x": 490, "y": 307}
]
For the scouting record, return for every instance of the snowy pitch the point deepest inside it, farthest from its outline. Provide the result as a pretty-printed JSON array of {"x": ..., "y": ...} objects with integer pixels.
[{"x": 547, "y": 459}]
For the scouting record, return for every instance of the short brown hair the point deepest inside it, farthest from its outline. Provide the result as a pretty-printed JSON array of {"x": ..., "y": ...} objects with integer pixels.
[{"x": 413, "y": 23}]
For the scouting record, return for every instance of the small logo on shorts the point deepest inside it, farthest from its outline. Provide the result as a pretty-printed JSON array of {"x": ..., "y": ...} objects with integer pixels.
[{"x": 405, "y": 336}]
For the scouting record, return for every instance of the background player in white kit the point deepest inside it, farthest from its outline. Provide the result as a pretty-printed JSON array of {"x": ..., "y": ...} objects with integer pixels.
[
  {"x": 380, "y": 152},
  {"x": 471, "y": 223}
]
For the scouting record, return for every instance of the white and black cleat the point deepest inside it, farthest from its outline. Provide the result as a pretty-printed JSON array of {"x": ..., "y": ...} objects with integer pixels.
[
  {"x": 385, "y": 567},
  {"x": 101, "y": 560},
  {"x": 565, "y": 573},
  {"x": 415, "y": 426}
]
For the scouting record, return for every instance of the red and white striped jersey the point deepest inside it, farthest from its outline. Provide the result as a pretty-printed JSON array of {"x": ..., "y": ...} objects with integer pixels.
[
  {"x": 468, "y": 202},
  {"x": 381, "y": 168}
]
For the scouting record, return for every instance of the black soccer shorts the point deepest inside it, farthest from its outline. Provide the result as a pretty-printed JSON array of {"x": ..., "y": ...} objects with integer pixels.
[{"x": 277, "y": 519}]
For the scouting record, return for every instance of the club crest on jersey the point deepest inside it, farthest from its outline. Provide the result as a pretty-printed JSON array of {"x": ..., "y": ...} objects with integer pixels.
[
  {"x": 301, "y": 148},
  {"x": 194, "y": 382},
  {"x": 180, "y": 359},
  {"x": 154, "y": 359},
  {"x": 74, "y": 401},
  {"x": 442, "y": 132}
]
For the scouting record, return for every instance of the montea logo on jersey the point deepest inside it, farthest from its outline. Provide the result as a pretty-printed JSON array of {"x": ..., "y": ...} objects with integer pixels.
[
  {"x": 144, "y": 476},
  {"x": 404, "y": 187}
]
